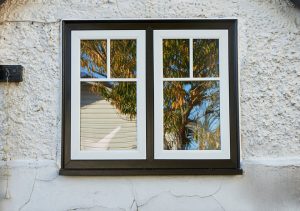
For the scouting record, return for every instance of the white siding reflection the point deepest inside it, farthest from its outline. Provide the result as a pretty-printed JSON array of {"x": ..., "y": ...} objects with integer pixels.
[{"x": 102, "y": 127}]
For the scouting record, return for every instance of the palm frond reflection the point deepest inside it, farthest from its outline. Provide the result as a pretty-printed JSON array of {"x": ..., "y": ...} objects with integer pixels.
[{"x": 191, "y": 115}]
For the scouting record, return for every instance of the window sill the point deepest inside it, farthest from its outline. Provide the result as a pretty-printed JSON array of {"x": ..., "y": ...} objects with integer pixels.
[{"x": 141, "y": 172}]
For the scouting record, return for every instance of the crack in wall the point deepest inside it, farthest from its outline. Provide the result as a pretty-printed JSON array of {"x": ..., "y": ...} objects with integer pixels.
[
  {"x": 197, "y": 195},
  {"x": 219, "y": 203},
  {"x": 147, "y": 201},
  {"x": 48, "y": 180},
  {"x": 134, "y": 201},
  {"x": 93, "y": 207},
  {"x": 31, "y": 192}
]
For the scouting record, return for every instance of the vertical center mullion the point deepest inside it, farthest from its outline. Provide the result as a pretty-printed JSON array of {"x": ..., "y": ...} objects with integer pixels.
[
  {"x": 108, "y": 58},
  {"x": 191, "y": 57}
]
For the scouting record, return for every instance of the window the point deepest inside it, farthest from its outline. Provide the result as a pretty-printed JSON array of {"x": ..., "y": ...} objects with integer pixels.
[
  {"x": 150, "y": 97},
  {"x": 191, "y": 68},
  {"x": 108, "y": 95}
]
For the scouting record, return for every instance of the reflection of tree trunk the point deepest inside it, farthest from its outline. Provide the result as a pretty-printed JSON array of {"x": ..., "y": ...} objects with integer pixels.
[
  {"x": 180, "y": 141},
  {"x": 171, "y": 141},
  {"x": 175, "y": 141},
  {"x": 183, "y": 137}
]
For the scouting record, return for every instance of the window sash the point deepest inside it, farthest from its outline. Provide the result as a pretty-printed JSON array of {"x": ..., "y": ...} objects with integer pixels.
[
  {"x": 222, "y": 36},
  {"x": 76, "y": 37}
]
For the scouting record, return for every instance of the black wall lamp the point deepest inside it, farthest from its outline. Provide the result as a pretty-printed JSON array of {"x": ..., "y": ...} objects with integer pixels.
[
  {"x": 11, "y": 73},
  {"x": 296, "y": 3}
]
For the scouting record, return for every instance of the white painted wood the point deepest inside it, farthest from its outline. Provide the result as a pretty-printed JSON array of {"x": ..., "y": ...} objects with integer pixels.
[
  {"x": 191, "y": 79},
  {"x": 159, "y": 152},
  {"x": 135, "y": 150},
  {"x": 107, "y": 79}
]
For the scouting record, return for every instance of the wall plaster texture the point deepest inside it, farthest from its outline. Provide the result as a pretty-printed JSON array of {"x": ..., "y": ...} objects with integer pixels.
[{"x": 30, "y": 112}]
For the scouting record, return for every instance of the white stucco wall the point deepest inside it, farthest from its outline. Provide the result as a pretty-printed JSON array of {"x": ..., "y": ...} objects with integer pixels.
[{"x": 30, "y": 112}]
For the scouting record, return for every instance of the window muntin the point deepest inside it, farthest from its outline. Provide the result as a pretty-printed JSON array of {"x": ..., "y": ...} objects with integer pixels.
[
  {"x": 191, "y": 109},
  {"x": 108, "y": 112}
]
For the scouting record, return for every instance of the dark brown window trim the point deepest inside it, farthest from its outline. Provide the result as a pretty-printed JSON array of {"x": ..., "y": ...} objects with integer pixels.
[{"x": 150, "y": 166}]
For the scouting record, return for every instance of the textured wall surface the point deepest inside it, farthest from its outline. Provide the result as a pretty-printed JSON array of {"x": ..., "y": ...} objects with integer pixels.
[
  {"x": 30, "y": 112},
  {"x": 263, "y": 187}
]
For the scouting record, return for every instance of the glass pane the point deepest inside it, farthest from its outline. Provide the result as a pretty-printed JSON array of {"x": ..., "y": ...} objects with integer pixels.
[
  {"x": 191, "y": 115},
  {"x": 175, "y": 58},
  {"x": 108, "y": 116},
  {"x": 123, "y": 58},
  {"x": 206, "y": 58},
  {"x": 93, "y": 59}
]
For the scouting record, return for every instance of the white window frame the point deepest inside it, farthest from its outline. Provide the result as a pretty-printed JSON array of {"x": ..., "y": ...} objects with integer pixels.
[
  {"x": 222, "y": 36},
  {"x": 139, "y": 36}
]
